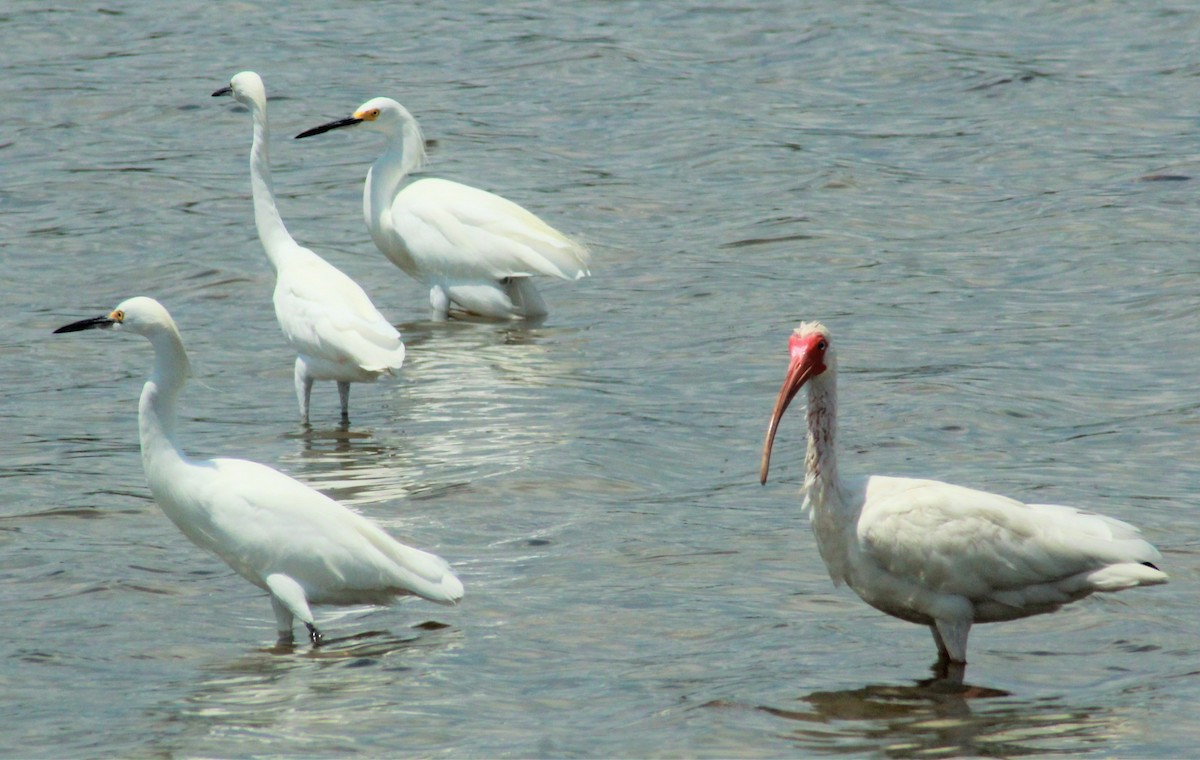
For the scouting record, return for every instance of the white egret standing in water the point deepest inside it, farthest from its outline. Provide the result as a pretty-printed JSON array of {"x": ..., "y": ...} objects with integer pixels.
[
  {"x": 337, "y": 332},
  {"x": 475, "y": 251},
  {"x": 299, "y": 545}
]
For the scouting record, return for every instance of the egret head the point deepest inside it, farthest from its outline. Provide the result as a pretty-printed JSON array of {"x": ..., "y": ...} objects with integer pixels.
[
  {"x": 246, "y": 88},
  {"x": 377, "y": 114},
  {"x": 139, "y": 315},
  {"x": 811, "y": 354},
  {"x": 384, "y": 115},
  {"x": 150, "y": 319}
]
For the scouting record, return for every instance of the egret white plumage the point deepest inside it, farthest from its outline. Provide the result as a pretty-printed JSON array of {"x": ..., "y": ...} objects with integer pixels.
[
  {"x": 474, "y": 250},
  {"x": 337, "y": 332},
  {"x": 299, "y": 545},
  {"x": 943, "y": 555}
]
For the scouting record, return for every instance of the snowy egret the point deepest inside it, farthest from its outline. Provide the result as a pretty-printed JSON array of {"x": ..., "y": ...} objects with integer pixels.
[
  {"x": 336, "y": 330},
  {"x": 938, "y": 554},
  {"x": 474, "y": 250},
  {"x": 299, "y": 545}
]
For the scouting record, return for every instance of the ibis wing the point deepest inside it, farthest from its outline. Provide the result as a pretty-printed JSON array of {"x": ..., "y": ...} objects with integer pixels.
[{"x": 957, "y": 540}]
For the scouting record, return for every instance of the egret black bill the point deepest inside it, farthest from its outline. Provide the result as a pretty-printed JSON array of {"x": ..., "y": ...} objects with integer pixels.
[
  {"x": 350, "y": 122},
  {"x": 94, "y": 323}
]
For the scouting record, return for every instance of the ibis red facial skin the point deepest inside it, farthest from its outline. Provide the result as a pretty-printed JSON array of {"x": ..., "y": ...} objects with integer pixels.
[
  {"x": 942, "y": 555},
  {"x": 807, "y": 359}
]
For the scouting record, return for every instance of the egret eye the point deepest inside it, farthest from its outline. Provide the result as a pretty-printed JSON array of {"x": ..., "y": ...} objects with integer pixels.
[{"x": 118, "y": 316}]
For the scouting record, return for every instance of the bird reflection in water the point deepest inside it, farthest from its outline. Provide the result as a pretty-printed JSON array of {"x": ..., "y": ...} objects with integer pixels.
[
  {"x": 478, "y": 397},
  {"x": 371, "y": 645},
  {"x": 262, "y": 690},
  {"x": 470, "y": 405},
  {"x": 936, "y": 717}
]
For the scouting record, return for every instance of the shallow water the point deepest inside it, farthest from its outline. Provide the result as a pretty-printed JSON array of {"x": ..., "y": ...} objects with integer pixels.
[{"x": 994, "y": 214}]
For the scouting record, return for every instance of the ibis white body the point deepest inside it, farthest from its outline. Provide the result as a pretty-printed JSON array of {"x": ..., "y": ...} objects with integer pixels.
[{"x": 943, "y": 555}]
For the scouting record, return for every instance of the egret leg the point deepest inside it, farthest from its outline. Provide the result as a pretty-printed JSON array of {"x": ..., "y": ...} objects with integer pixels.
[
  {"x": 950, "y": 672},
  {"x": 525, "y": 297},
  {"x": 289, "y": 594},
  {"x": 304, "y": 384},
  {"x": 953, "y": 635},
  {"x": 943, "y": 654},
  {"x": 439, "y": 300},
  {"x": 344, "y": 395},
  {"x": 283, "y": 619}
]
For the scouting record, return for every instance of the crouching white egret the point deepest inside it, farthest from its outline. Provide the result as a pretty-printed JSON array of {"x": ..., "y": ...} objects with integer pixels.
[{"x": 474, "y": 250}]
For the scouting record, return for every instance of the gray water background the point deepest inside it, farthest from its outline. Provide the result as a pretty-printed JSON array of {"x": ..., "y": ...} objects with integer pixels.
[{"x": 991, "y": 205}]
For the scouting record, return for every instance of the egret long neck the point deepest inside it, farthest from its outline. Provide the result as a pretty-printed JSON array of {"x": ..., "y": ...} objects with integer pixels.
[
  {"x": 404, "y": 153},
  {"x": 271, "y": 232},
  {"x": 156, "y": 409}
]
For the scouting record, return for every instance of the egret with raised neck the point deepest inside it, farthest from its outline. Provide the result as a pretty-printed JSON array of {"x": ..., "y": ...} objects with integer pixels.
[{"x": 299, "y": 545}]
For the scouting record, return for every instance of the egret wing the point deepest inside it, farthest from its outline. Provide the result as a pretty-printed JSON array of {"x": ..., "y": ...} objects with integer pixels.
[
  {"x": 325, "y": 313},
  {"x": 457, "y": 230},
  {"x": 271, "y": 523}
]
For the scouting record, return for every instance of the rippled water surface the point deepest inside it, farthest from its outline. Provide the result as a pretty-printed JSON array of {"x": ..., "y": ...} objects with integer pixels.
[{"x": 994, "y": 208}]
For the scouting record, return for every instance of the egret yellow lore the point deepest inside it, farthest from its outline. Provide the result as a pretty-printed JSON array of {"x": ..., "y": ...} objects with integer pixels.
[
  {"x": 476, "y": 251},
  {"x": 299, "y": 545},
  {"x": 329, "y": 320}
]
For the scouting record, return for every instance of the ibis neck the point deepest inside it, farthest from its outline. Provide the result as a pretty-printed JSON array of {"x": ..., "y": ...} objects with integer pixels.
[
  {"x": 832, "y": 509},
  {"x": 821, "y": 484},
  {"x": 271, "y": 232},
  {"x": 156, "y": 410}
]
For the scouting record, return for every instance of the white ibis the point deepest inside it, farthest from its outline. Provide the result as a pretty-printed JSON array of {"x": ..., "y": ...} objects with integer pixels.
[
  {"x": 337, "y": 332},
  {"x": 477, "y": 252},
  {"x": 943, "y": 555},
  {"x": 296, "y": 543}
]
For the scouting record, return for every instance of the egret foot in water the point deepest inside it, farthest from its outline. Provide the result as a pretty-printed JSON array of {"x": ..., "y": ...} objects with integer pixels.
[
  {"x": 949, "y": 670},
  {"x": 315, "y": 636}
]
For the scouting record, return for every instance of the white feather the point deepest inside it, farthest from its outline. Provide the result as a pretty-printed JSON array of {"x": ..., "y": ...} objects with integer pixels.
[
  {"x": 281, "y": 535},
  {"x": 329, "y": 320},
  {"x": 939, "y": 554},
  {"x": 458, "y": 240}
]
